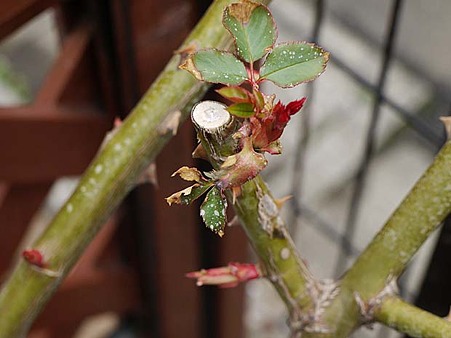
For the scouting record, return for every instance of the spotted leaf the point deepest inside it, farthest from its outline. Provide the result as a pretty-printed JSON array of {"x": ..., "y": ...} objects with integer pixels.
[
  {"x": 290, "y": 64},
  {"x": 188, "y": 195},
  {"x": 214, "y": 66},
  {"x": 213, "y": 211},
  {"x": 253, "y": 29}
]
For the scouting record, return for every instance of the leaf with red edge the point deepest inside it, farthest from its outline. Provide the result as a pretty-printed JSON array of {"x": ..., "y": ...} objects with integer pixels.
[
  {"x": 242, "y": 110},
  {"x": 253, "y": 28},
  {"x": 188, "y": 195},
  {"x": 290, "y": 64},
  {"x": 215, "y": 66},
  {"x": 235, "y": 94}
]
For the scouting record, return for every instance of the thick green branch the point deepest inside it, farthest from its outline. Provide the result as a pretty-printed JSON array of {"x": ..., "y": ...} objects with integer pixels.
[
  {"x": 421, "y": 212},
  {"x": 111, "y": 175},
  {"x": 267, "y": 233},
  {"x": 404, "y": 317},
  {"x": 385, "y": 258}
]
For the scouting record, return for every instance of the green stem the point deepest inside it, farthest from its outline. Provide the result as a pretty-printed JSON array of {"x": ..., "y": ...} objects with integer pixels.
[
  {"x": 385, "y": 258},
  {"x": 267, "y": 233},
  {"x": 259, "y": 215},
  {"x": 415, "y": 322},
  {"x": 114, "y": 171}
]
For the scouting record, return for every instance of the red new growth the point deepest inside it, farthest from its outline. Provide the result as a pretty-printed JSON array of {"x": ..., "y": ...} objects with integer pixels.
[
  {"x": 267, "y": 129},
  {"x": 34, "y": 257},
  {"x": 227, "y": 276}
]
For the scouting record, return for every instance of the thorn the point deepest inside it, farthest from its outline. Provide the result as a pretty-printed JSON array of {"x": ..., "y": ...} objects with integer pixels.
[
  {"x": 234, "y": 222},
  {"x": 281, "y": 201},
  {"x": 447, "y": 123},
  {"x": 149, "y": 175},
  {"x": 116, "y": 125},
  {"x": 236, "y": 192},
  {"x": 448, "y": 317},
  {"x": 200, "y": 153},
  {"x": 170, "y": 123},
  {"x": 117, "y": 122}
]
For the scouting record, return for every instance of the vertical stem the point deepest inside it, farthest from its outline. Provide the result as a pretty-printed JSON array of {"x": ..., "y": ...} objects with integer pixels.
[{"x": 259, "y": 216}]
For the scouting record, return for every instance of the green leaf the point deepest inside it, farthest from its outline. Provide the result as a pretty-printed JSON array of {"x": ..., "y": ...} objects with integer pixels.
[
  {"x": 195, "y": 193},
  {"x": 293, "y": 63},
  {"x": 253, "y": 29},
  {"x": 213, "y": 211},
  {"x": 242, "y": 110},
  {"x": 234, "y": 94},
  {"x": 188, "y": 195},
  {"x": 214, "y": 66}
]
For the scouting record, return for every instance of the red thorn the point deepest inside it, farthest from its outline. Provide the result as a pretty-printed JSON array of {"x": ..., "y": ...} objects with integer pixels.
[
  {"x": 34, "y": 257},
  {"x": 117, "y": 122}
]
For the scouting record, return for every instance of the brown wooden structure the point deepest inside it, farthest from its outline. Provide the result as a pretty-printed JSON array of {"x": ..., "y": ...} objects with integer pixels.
[{"x": 110, "y": 53}]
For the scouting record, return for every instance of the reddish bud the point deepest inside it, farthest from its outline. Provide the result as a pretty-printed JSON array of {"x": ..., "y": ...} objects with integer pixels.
[
  {"x": 267, "y": 129},
  {"x": 227, "y": 276},
  {"x": 34, "y": 257}
]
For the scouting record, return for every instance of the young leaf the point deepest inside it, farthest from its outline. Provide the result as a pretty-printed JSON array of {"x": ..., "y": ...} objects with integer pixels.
[
  {"x": 252, "y": 27},
  {"x": 235, "y": 94},
  {"x": 213, "y": 211},
  {"x": 242, "y": 110},
  {"x": 214, "y": 66},
  {"x": 293, "y": 63}
]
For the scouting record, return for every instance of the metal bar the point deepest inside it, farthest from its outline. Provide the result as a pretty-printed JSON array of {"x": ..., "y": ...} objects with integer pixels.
[
  {"x": 328, "y": 230},
  {"x": 371, "y": 134},
  {"x": 423, "y": 129}
]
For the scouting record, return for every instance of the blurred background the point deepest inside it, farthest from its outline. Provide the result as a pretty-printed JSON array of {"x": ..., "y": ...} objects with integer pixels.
[{"x": 370, "y": 129}]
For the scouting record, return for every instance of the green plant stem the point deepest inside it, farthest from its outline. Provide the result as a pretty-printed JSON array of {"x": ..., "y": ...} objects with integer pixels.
[
  {"x": 385, "y": 258},
  {"x": 415, "y": 322},
  {"x": 267, "y": 233},
  {"x": 114, "y": 171},
  {"x": 258, "y": 213}
]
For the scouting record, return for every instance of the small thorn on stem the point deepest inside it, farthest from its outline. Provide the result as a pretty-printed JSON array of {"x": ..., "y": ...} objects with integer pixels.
[
  {"x": 117, "y": 123},
  {"x": 447, "y": 123},
  {"x": 170, "y": 124},
  {"x": 149, "y": 175}
]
